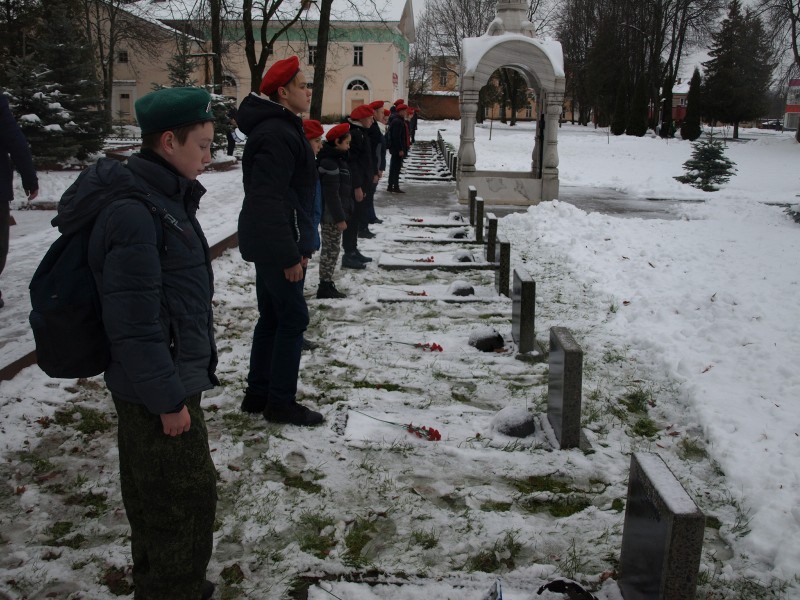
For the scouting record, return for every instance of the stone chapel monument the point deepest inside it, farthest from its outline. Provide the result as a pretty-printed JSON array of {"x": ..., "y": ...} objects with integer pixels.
[{"x": 510, "y": 42}]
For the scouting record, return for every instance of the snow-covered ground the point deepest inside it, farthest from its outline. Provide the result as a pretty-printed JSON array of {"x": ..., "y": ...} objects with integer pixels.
[{"x": 691, "y": 345}]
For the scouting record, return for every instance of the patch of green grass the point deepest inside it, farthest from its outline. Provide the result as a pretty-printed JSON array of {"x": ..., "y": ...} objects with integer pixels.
[
  {"x": 237, "y": 423},
  {"x": 41, "y": 465},
  {"x": 91, "y": 421},
  {"x": 495, "y": 506},
  {"x": 313, "y": 537},
  {"x": 618, "y": 505},
  {"x": 573, "y": 563},
  {"x": 637, "y": 399},
  {"x": 59, "y": 531},
  {"x": 542, "y": 483},
  {"x": 560, "y": 507},
  {"x": 501, "y": 555},
  {"x": 361, "y": 532},
  {"x": 692, "y": 449},
  {"x": 301, "y": 483},
  {"x": 426, "y": 539},
  {"x": 232, "y": 574},
  {"x": 115, "y": 580},
  {"x": 613, "y": 356},
  {"x": 713, "y": 522},
  {"x": 645, "y": 427},
  {"x": 389, "y": 387},
  {"x": 96, "y": 504}
]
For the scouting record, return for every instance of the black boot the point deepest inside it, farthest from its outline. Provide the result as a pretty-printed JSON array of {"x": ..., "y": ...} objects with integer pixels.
[
  {"x": 365, "y": 233},
  {"x": 207, "y": 591},
  {"x": 253, "y": 403},
  {"x": 293, "y": 414},
  {"x": 327, "y": 290},
  {"x": 350, "y": 260},
  {"x": 361, "y": 257}
]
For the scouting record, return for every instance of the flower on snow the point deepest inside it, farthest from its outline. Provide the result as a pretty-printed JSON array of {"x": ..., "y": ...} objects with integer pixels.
[{"x": 426, "y": 433}]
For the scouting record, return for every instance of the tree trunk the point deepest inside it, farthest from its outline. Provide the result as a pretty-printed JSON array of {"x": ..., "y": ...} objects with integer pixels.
[
  {"x": 321, "y": 60},
  {"x": 216, "y": 44}
]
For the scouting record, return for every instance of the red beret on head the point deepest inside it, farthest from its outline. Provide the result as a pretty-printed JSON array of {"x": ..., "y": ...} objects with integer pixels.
[
  {"x": 376, "y": 105},
  {"x": 386, "y": 112},
  {"x": 399, "y": 101},
  {"x": 313, "y": 129},
  {"x": 334, "y": 133},
  {"x": 279, "y": 74},
  {"x": 362, "y": 112},
  {"x": 401, "y": 107}
]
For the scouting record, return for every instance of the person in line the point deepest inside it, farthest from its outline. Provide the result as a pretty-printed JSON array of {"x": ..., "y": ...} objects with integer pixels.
[
  {"x": 313, "y": 131},
  {"x": 14, "y": 153},
  {"x": 276, "y": 232},
  {"x": 362, "y": 172},
  {"x": 398, "y": 147},
  {"x": 377, "y": 143},
  {"x": 230, "y": 129},
  {"x": 413, "y": 119},
  {"x": 337, "y": 204},
  {"x": 156, "y": 285}
]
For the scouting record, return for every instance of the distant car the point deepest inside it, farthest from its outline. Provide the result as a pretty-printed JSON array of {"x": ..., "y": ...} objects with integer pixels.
[{"x": 776, "y": 124}]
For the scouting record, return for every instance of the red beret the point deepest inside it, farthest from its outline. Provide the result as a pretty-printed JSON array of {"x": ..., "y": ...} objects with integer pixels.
[
  {"x": 334, "y": 133},
  {"x": 401, "y": 106},
  {"x": 362, "y": 111},
  {"x": 386, "y": 112},
  {"x": 279, "y": 74},
  {"x": 376, "y": 105},
  {"x": 399, "y": 101},
  {"x": 313, "y": 129}
]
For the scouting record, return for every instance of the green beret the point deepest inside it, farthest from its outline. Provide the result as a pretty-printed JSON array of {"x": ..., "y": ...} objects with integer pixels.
[{"x": 172, "y": 108}]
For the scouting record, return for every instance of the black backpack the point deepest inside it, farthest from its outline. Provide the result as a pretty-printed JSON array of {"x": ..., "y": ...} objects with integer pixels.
[{"x": 67, "y": 319}]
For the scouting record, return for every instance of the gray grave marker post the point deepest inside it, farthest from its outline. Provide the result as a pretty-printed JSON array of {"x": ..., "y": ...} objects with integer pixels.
[
  {"x": 523, "y": 310},
  {"x": 502, "y": 274},
  {"x": 473, "y": 193},
  {"x": 564, "y": 388},
  {"x": 662, "y": 539},
  {"x": 491, "y": 237},
  {"x": 479, "y": 220}
]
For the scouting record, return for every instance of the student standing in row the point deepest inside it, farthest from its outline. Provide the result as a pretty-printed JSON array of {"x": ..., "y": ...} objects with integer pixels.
[
  {"x": 276, "y": 232},
  {"x": 398, "y": 146},
  {"x": 362, "y": 171}
]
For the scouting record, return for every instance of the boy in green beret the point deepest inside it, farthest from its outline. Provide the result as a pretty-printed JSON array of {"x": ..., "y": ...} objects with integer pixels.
[{"x": 151, "y": 263}]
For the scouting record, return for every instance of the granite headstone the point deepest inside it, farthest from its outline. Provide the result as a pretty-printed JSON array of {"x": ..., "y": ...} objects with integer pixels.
[{"x": 565, "y": 388}]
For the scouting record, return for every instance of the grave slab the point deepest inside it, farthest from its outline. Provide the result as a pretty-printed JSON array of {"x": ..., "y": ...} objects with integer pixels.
[
  {"x": 479, "y": 219},
  {"x": 523, "y": 311},
  {"x": 502, "y": 275},
  {"x": 452, "y": 220},
  {"x": 662, "y": 538},
  {"x": 432, "y": 293},
  {"x": 565, "y": 389},
  {"x": 446, "y": 261},
  {"x": 491, "y": 237},
  {"x": 473, "y": 193}
]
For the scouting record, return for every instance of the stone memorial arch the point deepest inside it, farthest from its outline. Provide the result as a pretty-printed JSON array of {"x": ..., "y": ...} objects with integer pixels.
[{"x": 510, "y": 42}]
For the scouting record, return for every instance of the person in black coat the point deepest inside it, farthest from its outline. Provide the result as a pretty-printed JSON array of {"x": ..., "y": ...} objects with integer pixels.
[
  {"x": 156, "y": 284},
  {"x": 398, "y": 146},
  {"x": 14, "y": 153},
  {"x": 377, "y": 143},
  {"x": 276, "y": 232},
  {"x": 363, "y": 175},
  {"x": 230, "y": 129},
  {"x": 412, "y": 122}
]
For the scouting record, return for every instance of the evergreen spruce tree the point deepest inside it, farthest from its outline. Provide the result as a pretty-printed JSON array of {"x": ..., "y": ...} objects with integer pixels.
[
  {"x": 708, "y": 168},
  {"x": 691, "y": 128},
  {"x": 43, "y": 119},
  {"x": 620, "y": 108},
  {"x": 667, "y": 129},
  {"x": 738, "y": 74},
  {"x": 63, "y": 50},
  {"x": 637, "y": 115},
  {"x": 181, "y": 68}
]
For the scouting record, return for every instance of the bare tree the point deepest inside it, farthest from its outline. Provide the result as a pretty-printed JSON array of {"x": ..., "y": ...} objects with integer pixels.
[{"x": 111, "y": 24}]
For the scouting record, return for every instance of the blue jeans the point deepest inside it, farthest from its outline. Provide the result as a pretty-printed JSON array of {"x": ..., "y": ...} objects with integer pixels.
[{"x": 278, "y": 336}]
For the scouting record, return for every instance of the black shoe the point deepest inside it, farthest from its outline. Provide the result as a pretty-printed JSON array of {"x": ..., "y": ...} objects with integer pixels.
[
  {"x": 361, "y": 257},
  {"x": 399, "y": 191},
  {"x": 390, "y": 190},
  {"x": 365, "y": 234},
  {"x": 327, "y": 290},
  {"x": 253, "y": 403},
  {"x": 376, "y": 221},
  {"x": 293, "y": 414},
  {"x": 351, "y": 261},
  {"x": 309, "y": 345},
  {"x": 208, "y": 590}
]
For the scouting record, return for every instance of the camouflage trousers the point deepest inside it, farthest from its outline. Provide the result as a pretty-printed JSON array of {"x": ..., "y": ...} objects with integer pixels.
[
  {"x": 169, "y": 489},
  {"x": 331, "y": 241}
]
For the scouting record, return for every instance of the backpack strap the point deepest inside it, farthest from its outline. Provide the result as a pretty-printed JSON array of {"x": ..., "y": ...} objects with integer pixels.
[{"x": 167, "y": 221}]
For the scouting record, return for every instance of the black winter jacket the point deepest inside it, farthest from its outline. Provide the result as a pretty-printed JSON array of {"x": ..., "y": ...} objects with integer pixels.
[
  {"x": 279, "y": 173},
  {"x": 13, "y": 148},
  {"x": 360, "y": 157},
  {"x": 378, "y": 141},
  {"x": 334, "y": 177},
  {"x": 397, "y": 134},
  {"x": 155, "y": 282}
]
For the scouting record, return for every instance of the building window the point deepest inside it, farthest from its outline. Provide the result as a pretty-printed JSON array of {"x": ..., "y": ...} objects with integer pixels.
[
  {"x": 358, "y": 56},
  {"x": 528, "y": 111},
  {"x": 312, "y": 55},
  {"x": 357, "y": 84},
  {"x": 443, "y": 77},
  {"x": 122, "y": 56},
  {"x": 124, "y": 105},
  {"x": 794, "y": 96}
]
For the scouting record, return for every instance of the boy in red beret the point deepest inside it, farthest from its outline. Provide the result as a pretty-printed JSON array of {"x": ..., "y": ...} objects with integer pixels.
[
  {"x": 276, "y": 232},
  {"x": 397, "y": 139},
  {"x": 377, "y": 143},
  {"x": 362, "y": 173},
  {"x": 337, "y": 200},
  {"x": 314, "y": 132}
]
